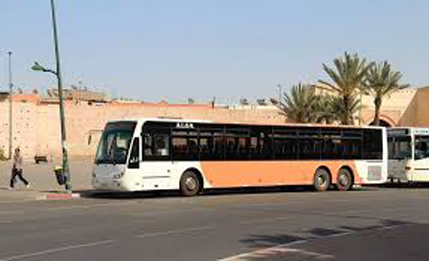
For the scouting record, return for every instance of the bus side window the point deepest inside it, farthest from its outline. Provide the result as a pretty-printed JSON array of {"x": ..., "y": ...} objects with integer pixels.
[
  {"x": 161, "y": 143},
  {"x": 421, "y": 150},
  {"x": 134, "y": 161},
  {"x": 148, "y": 145}
]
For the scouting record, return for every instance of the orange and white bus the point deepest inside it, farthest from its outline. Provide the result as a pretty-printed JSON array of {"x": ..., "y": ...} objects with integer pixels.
[{"x": 192, "y": 155}]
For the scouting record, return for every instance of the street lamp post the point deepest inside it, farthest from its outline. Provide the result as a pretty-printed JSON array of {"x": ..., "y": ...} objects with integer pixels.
[
  {"x": 280, "y": 87},
  {"x": 360, "y": 108},
  {"x": 10, "y": 106},
  {"x": 57, "y": 73}
]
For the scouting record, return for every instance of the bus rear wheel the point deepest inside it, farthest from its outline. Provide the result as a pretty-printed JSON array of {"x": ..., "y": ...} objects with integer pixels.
[
  {"x": 322, "y": 180},
  {"x": 189, "y": 184},
  {"x": 345, "y": 180}
]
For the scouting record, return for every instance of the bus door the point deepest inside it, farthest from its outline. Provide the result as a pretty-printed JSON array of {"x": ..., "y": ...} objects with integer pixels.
[
  {"x": 133, "y": 171},
  {"x": 421, "y": 159},
  {"x": 157, "y": 166},
  {"x": 399, "y": 157}
]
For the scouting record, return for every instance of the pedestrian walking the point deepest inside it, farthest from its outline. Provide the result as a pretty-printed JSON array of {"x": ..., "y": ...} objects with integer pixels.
[{"x": 17, "y": 169}]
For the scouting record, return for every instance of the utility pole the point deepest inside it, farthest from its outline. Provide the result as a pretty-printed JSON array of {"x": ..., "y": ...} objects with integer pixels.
[
  {"x": 10, "y": 106},
  {"x": 66, "y": 169}
]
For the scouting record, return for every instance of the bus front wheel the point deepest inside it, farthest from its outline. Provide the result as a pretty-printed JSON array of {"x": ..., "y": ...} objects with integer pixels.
[
  {"x": 345, "y": 180},
  {"x": 322, "y": 180},
  {"x": 189, "y": 184}
]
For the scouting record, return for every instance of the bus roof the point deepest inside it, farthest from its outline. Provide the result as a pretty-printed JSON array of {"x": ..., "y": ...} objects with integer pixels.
[{"x": 172, "y": 119}]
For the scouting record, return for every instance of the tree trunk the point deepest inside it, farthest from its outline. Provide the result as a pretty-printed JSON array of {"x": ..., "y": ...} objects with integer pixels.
[
  {"x": 377, "y": 104},
  {"x": 347, "y": 113}
]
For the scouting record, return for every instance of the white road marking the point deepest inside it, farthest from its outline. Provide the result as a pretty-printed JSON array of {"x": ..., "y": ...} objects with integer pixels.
[
  {"x": 280, "y": 251},
  {"x": 259, "y": 251},
  {"x": 179, "y": 231},
  {"x": 55, "y": 250}
]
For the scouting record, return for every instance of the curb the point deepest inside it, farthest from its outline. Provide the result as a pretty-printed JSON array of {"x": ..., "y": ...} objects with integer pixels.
[{"x": 58, "y": 196}]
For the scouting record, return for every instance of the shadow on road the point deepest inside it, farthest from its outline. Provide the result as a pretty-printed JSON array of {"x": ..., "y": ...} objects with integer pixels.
[
  {"x": 404, "y": 185},
  {"x": 172, "y": 194},
  {"x": 235, "y": 191},
  {"x": 275, "y": 247},
  {"x": 264, "y": 241}
]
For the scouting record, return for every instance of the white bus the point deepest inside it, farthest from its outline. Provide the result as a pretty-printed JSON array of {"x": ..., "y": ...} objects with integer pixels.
[
  {"x": 192, "y": 155},
  {"x": 408, "y": 154}
]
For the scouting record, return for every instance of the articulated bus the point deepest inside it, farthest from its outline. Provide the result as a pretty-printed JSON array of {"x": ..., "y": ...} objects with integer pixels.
[
  {"x": 408, "y": 154},
  {"x": 191, "y": 156}
]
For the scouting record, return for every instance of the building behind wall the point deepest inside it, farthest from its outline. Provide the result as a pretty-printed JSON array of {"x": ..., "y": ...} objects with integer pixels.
[{"x": 407, "y": 107}]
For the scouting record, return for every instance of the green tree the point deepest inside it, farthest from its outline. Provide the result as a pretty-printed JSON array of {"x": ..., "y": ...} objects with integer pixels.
[
  {"x": 341, "y": 112},
  {"x": 382, "y": 81},
  {"x": 300, "y": 104},
  {"x": 324, "y": 109},
  {"x": 348, "y": 77}
]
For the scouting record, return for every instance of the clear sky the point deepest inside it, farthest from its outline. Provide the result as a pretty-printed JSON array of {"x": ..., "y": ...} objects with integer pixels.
[{"x": 176, "y": 49}]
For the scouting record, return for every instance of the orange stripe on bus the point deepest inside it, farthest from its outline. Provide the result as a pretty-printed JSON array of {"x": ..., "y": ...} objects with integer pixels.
[{"x": 269, "y": 173}]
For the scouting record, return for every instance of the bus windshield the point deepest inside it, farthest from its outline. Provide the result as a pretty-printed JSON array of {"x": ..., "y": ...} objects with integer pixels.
[
  {"x": 421, "y": 147},
  {"x": 400, "y": 147},
  {"x": 115, "y": 143}
]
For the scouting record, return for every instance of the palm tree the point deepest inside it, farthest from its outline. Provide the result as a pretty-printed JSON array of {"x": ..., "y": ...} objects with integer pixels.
[
  {"x": 382, "y": 81},
  {"x": 299, "y": 105},
  {"x": 324, "y": 109},
  {"x": 342, "y": 113},
  {"x": 348, "y": 77}
]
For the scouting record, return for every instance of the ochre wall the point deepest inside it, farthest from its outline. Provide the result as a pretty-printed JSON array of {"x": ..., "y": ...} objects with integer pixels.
[
  {"x": 422, "y": 110},
  {"x": 393, "y": 109},
  {"x": 36, "y": 125}
]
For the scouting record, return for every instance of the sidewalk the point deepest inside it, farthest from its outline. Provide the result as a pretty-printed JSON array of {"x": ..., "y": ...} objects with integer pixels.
[{"x": 42, "y": 180}]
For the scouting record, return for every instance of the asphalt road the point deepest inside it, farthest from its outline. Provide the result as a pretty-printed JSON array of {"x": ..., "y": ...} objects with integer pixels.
[{"x": 374, "y": 224}]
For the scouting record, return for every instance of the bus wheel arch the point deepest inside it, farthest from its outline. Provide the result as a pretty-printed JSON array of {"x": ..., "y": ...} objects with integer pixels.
[
  {"x": 345, "y": 178},
  {"x": 191, "y": 182},
  {"x": 322, "y": 179}
]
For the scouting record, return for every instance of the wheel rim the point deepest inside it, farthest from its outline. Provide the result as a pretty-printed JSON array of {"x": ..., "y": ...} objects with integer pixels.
[
  {"x": 190, "y": 183},
  {"x": 344, "y": 180},
  {"x": 322, "y": 181}
]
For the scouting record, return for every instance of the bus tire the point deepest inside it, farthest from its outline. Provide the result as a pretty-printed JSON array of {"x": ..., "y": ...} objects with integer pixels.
[
  {"x": 322, "y": 180},
  {"x": 345, "y": 179},
  {"x": 189, "y": 184}
]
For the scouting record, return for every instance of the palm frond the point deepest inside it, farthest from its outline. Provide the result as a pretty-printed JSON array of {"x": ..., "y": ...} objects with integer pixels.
[{"x": 347, "y": 80}]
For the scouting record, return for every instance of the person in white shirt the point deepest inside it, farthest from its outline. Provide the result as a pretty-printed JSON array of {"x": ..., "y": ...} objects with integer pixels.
[{"x": 17, "y": 169}]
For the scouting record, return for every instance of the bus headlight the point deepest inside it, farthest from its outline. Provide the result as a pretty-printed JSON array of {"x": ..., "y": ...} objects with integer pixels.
[{"x": 119, "y": 175}]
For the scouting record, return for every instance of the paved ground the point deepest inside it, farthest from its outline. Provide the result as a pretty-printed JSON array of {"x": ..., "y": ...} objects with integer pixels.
[
  {"x": 377, "y": 224},
  {"x": 42, "y": 179}
]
